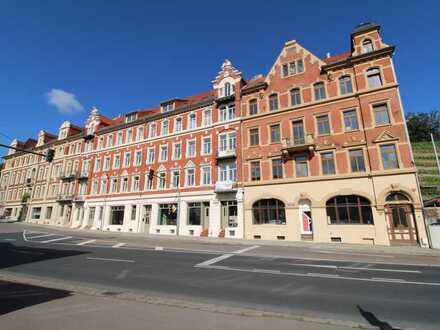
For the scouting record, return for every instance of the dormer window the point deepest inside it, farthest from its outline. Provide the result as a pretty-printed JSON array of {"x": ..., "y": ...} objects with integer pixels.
[
  {"x": 130, "y": 117},
  {"x": 367, "y": 46},
  {"x": 227, "y": 89},
  {"x": 292, "y": 68},
  {"x": 167, "y": 107}
]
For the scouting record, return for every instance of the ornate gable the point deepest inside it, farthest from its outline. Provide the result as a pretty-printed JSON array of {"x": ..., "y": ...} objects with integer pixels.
[{"x": 385, "y": 136}]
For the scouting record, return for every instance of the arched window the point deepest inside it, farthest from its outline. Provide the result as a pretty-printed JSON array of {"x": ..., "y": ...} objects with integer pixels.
[
  {"x": 349, "y": 209},
  {"x": 227, "y": 89},
  {"x": 397, "y": 197},
  {"x": 319, "y": 89},
  {"x": 374, "y": 78},
  {"x": 273, "y": 102},
  {"x": 269, "y": 211},
  {"x": 367, "y": 46},
  {"x": 345, "y": 85}
]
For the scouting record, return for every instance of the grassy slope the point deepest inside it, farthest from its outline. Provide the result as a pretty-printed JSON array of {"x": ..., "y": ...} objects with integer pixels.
[{"x": 427, "y": 168}]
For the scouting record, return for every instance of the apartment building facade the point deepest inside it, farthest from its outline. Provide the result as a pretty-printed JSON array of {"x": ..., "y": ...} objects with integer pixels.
[{"x": 315, "y": 150}]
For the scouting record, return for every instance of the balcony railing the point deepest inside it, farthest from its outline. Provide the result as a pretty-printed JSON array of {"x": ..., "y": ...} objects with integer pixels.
[
  {"x": 225, "y": 154},
  {"x": 224, "y": 187},
  {"x": 307, "y": 143},
  {"x": 82, "y": 175},
  {"x": 67, "y": 176},
  {"x": 79, "y": 198},
  {"x": 89, "y": 136},
  {"x": 64, "y": 197}
]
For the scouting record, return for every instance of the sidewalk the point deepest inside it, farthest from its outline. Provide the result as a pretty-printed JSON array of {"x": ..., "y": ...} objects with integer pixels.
[{"x": 396, "y": 250}]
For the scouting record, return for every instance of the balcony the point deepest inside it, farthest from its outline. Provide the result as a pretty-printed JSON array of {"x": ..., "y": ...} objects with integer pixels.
[
  {"x": 224, "y": 187},
  {"x": 89, "y": 136},
  {"x": 68, "y": 176},
  {"x": 28, "y": 181},
  {"x": 79, "y": 199},
  {"x": 83, "y": 175},
  {"x": 226, "y": 154},
  {"x": 298, "y": 145},
  {"x": 64, "y": 198},
  {"x": 225, "y": 99}
]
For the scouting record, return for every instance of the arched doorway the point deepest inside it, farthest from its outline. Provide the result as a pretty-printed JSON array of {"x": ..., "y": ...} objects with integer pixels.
[
  {"x": 400, "y": 219},
  {"x": 305, "y": 218}
]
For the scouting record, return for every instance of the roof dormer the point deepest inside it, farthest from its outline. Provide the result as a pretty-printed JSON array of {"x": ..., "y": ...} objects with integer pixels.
[
  {"x": 64, "y": 130},
  {"x": 227, "y": 81},
  {"x": 366, "y": 38}
]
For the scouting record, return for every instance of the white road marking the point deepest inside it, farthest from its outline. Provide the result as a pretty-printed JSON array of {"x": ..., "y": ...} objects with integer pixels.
[
  {"x": 358, "y": 268},
  {"x": 57, "y": 239},
  {"x": 123, "y": 274},
  {"x": 246, "y": 249},
  {"x": 9, "y": 239},
  {"x": 86, "y": 242},
  {"x": 158, "y": 248},
  {"x": 117, "y": 245},
  {"x": 214, "y": 260},
  {"x": 110, "y": 259},
  {"x": 323, "y": 275},
  {"x": 40, "y": 236},
  {"x": 319, "y": 275},
  {"x": 356, "y": 254}
]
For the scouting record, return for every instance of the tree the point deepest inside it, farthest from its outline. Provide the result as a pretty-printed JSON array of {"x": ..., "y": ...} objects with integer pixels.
[{"x": 422, "y": 124}]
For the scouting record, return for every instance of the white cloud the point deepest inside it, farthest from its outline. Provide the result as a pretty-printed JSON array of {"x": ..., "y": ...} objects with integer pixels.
[{"x": 66, "y": 103}]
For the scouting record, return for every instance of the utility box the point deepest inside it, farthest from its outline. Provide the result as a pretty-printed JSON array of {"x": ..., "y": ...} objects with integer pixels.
[{"x": 434, "y": 231}]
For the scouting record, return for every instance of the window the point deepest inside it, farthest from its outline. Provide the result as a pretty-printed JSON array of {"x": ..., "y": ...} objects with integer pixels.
[
  {"x": 177, "y": 152},
  {"x": 277, "y": 169},
  {"x": 106, "y": 163},
  {"x": 194, "y": 213},
  {"x": 223, "y": 114},
  {"x": 295, "y": 96},
  {"x": 133, "y": 212},
  {"x": 323, "y": 124},
  {"x": 151, "y": 156},
  {"x": 207, "y": 118},
  {"x": 227, "y": 113},
  {"x": 293, "y": 68},
  {"x": 191, "y": 149},
  {"x": 165, "y": 130},
  {"x": 351, "y": 120},
  {"x": 319, "y": 90},
  {"x": 227, "y": 172},
  {"x": 367, "y": 46},
  {"x": 117, "y": 161},
  {"x": 176, "y": 178},
  {"x": 350, "y": 209},
  {"x": 163, "y": 153},
  {"x": 124, "y": 184},
  {"x": 167, "y": 107},
  {"x": 149, "y": 183},
  {"x": 192, "y": 121},
  {"x": 301, "y": 166},
  {"x": 97, "y": 166},
  {"x": 328, "y": 163},
  {"x": 389, "y": 156},
  {"x": 254, "y": 137},
  {"x": 103, "y": 186},
  {"x": 129, "y": 135},
  {"x": 253, "y": 107},
  {"x": 298, "y": 132},
  {"x": 275, "y": 135},
  {"x": 273, "y": 102},
  {"x": 138, "y": 159},
  {"x": 36, "y": 212},
  {"x": 152, "y": 132},
  {"x": 136, "y": 183},
  {"x": 178, "y": 125},
  {"x": 269, "y": 211},
  {"x": 127, "y": 159},
  {"x": 228, "y": 89},
  {"x": 140, "y": 133},
  {"x": 373, "y": 77},
  {"x": 345, "y": 85},
  {"x": 162, "y": 180},
  {"x": 396, "y": 197},
  {"x": 357, "y": 160},
  {"x": 255, "y": 171},
  {"x": 114, "y": 187},
  {"x": 117, "y": 215},
  {"x": 168, "y": 214},
  {"x": 119, "y": 141},
  {"x": 206, "y": 175},
  {"x": 381, "y": 116},
  {"x": 190, "y": 177},
  {"x": 207, "y": 146}
]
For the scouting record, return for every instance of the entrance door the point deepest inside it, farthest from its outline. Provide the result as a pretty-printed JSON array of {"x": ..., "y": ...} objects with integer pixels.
[
  {"x": 68, "y": 213},
  {"x": 229, "y": 214},
  {"x": 205, "y": 215},
  {"x": 146, "y": 218},
  {"x": 401, "y": 226}
]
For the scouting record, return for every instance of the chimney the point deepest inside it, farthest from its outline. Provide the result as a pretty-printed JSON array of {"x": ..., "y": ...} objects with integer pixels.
[{"x": 327, "y": 55}]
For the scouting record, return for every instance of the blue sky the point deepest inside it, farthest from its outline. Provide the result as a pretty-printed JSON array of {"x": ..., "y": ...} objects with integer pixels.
[{"x": 124, "y": 55}]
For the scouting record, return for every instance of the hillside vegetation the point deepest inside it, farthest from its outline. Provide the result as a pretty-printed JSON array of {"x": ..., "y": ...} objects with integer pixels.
[{"x": 427, "y": 168}]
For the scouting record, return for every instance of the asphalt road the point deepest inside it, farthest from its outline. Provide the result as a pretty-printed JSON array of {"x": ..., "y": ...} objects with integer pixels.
[{"x": 396, "y": 295}]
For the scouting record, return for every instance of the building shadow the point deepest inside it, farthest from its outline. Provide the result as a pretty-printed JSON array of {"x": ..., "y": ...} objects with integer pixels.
[
  {"x": 374, "y": 321},
  {"x": 13, "y": 255},
  {"x": 15, "y": 296}
]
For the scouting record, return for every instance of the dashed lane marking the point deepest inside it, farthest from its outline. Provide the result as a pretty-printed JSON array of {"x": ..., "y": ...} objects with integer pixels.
[
  {"x": 87, "y": 242},
  {"x": 214, "y": 260},
  {"x": 39, "y": 236},
  {"x": 246, "y": 249},
  {"x": 57, "y": 239},
  {"x": 357, "y": 268},
  {"x": 110, "y": 259},
  {"x": 118, "y": 245},
  {"x": 158, "y": 248}
]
